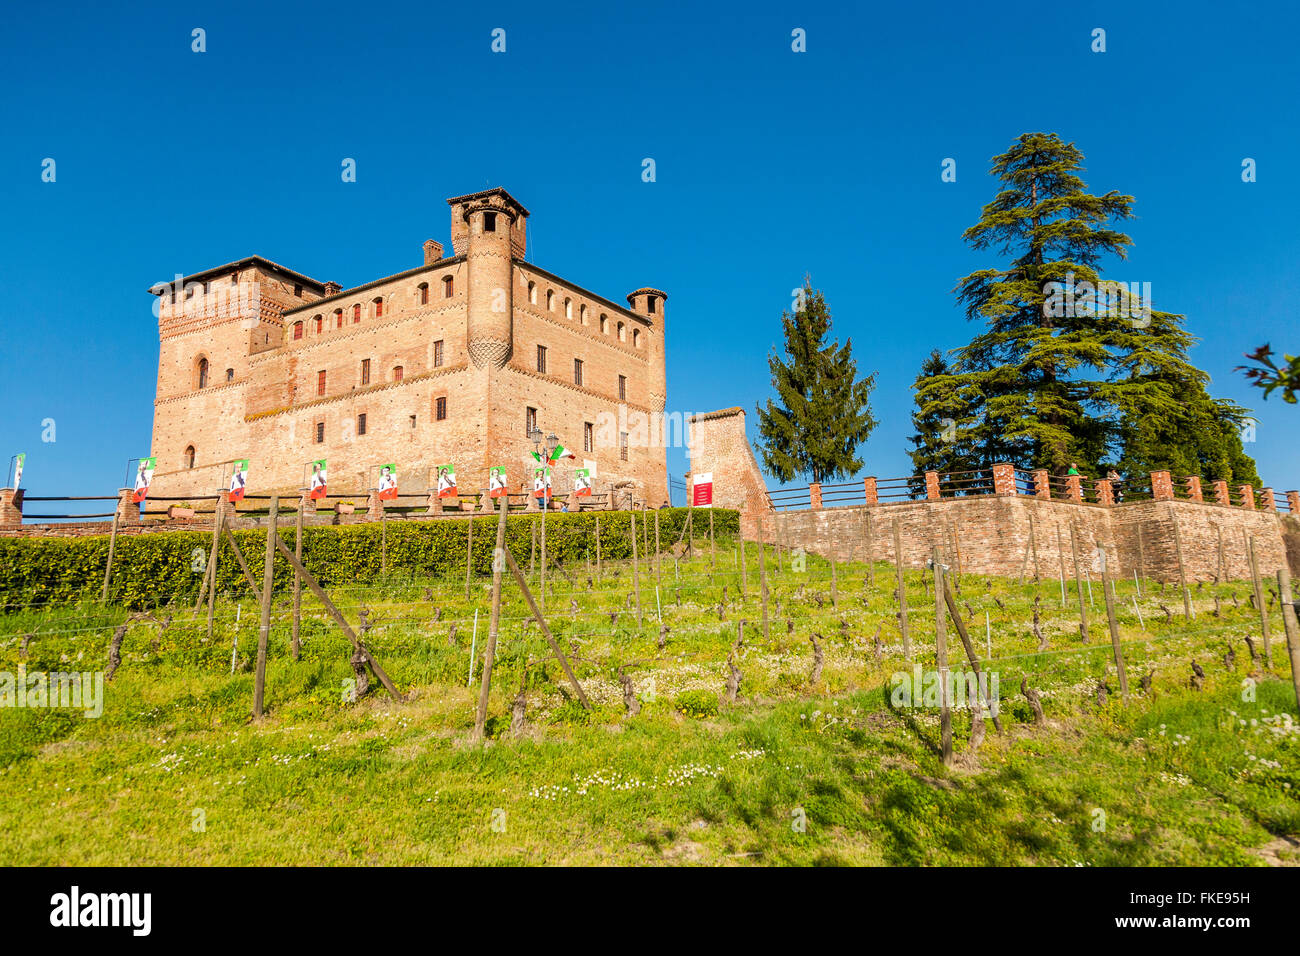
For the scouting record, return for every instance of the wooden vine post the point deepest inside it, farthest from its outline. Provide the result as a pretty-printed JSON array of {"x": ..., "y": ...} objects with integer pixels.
[
  {"x": 902, "y": 592},
  {"x": 494, "y": 622},
  {"x": 264, "y": 625}
]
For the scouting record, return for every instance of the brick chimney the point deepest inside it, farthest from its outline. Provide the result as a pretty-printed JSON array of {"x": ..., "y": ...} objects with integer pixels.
[
  {"x": 332, "y": 288},
  {"x": 432, "y": 251}
]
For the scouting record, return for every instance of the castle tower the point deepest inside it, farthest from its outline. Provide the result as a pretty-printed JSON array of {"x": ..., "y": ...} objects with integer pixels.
[
  {"x": 488, "y": 228},
  {"x": 650, "y": 303}
]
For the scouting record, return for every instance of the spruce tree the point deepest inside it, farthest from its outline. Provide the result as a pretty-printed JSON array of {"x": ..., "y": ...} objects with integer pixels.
[
  {"x": 945, "y": 439},
  {"x": 822, "y": 412}
]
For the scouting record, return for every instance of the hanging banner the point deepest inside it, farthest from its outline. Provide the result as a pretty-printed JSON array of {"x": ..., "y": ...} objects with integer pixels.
[
  {"x": 582, "y": 482},
  {"x": 317, "y": 484},
  {"x": 447, "y": 481},
  {"x": 541, "y": 482},
  {"x": 497, "y": 482},
  {"x": 143, "y": 475},
  {"x": 18, "y": 470},
  {"x": 702, "y": 490},
  {"x": 238, "y": 479},
  {"x": 387, "y": 482}
]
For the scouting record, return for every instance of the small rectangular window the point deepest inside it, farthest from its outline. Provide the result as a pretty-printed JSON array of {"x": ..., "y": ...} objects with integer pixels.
[
  {"x": 622, "y": 445},
  {"x": 320, "y": 382},
  {"x": 365, "y": 371},
  {"x": 541, "y": 358},
  {"x": 320, "y": 433},
  {"x": 530, "y": 419},
  {"x": 622, "y": 388},
  {"x": 356, "y": 313},
  {"x": 297, "y": 290},
  {"x": 489, "y": 222},
  {"x": 361, "y": 424},
  {"x": 440, "y": 410},
  {"x": 398, "y": 372},
  {"x": 588, "y": 437},
  {"x": 379, "y": 308},
  {"x": 577, "y": 371},
  {"x": 437, "y": 354}
]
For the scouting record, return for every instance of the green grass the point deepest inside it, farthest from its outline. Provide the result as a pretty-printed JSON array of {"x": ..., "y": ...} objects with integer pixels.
[{"x": 792, "y": 773}]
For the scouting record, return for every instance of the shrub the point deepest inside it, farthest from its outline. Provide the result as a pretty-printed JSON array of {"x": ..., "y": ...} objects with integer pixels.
[{"x": 157, "y": 568}]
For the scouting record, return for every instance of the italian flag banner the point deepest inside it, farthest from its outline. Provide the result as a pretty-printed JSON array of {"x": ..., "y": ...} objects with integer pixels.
[
  {"x": 318, "y": 483},
  {"x": 238, "y": 479},
  {"x": 143, "y": 475},
  {"x": 388, "y": 482},
  {"x": 582, "y": 482},
  {"x": 497, "y": 482},
  {"x": 447, "y": 481}
]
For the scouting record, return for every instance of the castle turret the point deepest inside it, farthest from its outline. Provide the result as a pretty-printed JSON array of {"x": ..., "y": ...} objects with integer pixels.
[
  {"x": 650, "y": 304},
  {"x": 488, "y": 228}
]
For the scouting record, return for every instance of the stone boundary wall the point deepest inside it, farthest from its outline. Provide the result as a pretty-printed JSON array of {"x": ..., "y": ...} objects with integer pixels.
[{"x": 992, "y": 534}]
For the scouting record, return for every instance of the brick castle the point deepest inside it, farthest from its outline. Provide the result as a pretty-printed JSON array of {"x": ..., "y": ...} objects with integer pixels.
[{"x": 453, "y": 361}]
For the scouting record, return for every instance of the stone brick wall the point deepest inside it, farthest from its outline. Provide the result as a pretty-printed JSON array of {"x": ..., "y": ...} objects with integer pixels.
[{"x": 718, "y": 445}]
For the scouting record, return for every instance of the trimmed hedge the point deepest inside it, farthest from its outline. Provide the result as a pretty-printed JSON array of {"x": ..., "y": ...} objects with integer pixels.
[{"x": 153, "y": 569}]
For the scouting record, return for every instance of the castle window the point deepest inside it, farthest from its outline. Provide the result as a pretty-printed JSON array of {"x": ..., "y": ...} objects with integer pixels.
[
  {"x": 636, "y": 338},
  {"x": 588, "y": 437},
  {"x": 338, "y": 317},
  {"x": 437, "y": 354},
  {"x": 412, "y": 421},
  {"x": 448, "y": 287},
  {"x": 568, "y": 308},
  {"x": 422, "y": 293},
  {"x": 203, "y": 373},
  {"x": 577, "y": 371},
  {"x": 297, "y": 290},
  {"x": 398, "y": 371},
  {"x": 320, "y": 433},
  {"x": 622, "y": 332},
  {"x": 365, "y": 371},
  {"x": 532, "y": 292},
  {"x": 541, "y": 358},
  {"x": 550, "y": 300},
  {"x": 356, "y": 313},
  {"x": 320, "y": 382},
  {"x": 439, "y": 410},
  {"x": 622, "y": 445},
  {"x": 188, "y": 460},
  {"x": 230, "y": 375},
  {"x": 530, "y": 420},
  {"x": 650, "y": 304},
  {"x": 489, "y": 222},
  {"x": 604, "y": 323},
  {"x": 234, "y": 278},
  {"x": 622, "y": 388},
  {"x": 361, "y": 424},
  {"x": 320, "y": 324},
  {"x": 582, "y": 314},
  {"x": 379, "y": 308},
  {"x": 297, "y": 330}
]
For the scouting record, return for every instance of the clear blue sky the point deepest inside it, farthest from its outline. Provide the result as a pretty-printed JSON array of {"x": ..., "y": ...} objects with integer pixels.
[{"x": 770, "y": 164}]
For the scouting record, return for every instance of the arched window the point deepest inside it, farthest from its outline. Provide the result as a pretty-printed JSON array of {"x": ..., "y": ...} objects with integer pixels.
[
  {"x": 582, "y": 314},
  {"x": 550, "y": 300},
  {"x": 230, "y": 375},
  {"x": 636, "y": 338},
  {"x": 398, "y": 371},
  {"x": 532, "y": 292},
  {"x": 188, "y": 460},
  {"x": 448, "y": 287},
  {"x": 297, "y": 330},
  {"x": 203, "y": 373},
  {"x": 622, "y": 336},
  {"x": 320, "y": 324},
  {"x": 422, "y": 293},
  {"x": 379, "y": 308},
  {"x": 338, "y": 318},
  {"x": 568, "y": 308},
  {"x": 604, "y": 322},
  {"x": 356, "y": 313}
]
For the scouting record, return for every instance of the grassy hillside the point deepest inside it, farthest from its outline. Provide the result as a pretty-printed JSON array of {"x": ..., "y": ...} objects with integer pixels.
[{"x": 176, "y": 771}]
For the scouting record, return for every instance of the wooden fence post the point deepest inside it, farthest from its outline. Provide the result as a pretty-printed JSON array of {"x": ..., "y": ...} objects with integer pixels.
[
  {"x": 762, "y": 571},
  {"x": 296, "y": 642},
  {"x": 902, "y": 592},
  {"x": 1259, "y": 602},
  {"x": 1033, "y": 544},
  {"x": 941, "y": 659},
  {"x": 264, "y": 626},
  {"x": 1078, "y": 585},
  {"x": 1108, "y": 592},
  {"x": 1182, "y": 573},
  {"x": 636, "y": 567},
  {"x": 219, "y": 520},
  {"x": 1060, "y": 562},
  {"x": 713, "y": 550},
  {"x": 744, "y": 570},
  {"x": 953, "y": 613},
  {"x": 1290, "y": 623},
  {"x": 112, "y": 547},
  {"x": 490, "y": 650}
]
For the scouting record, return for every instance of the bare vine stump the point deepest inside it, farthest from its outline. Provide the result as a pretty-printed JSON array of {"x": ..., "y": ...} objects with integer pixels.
[
  {"x": 817, "y": 659},
  {"x": 1035, "y": 702},
  {"x": 630, "y": 703}
]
